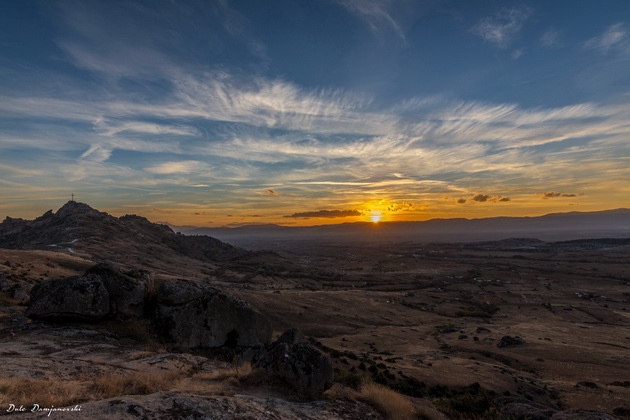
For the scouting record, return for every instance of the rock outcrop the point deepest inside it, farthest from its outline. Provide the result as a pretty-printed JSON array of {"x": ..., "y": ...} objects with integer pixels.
[
  {"x": 182, "y": 311},
  {"x": 516, "y": 408},
  {"x": 582, "y": 415},
  {"x": 79, "y": 228},
  {"x": 193, "y": 315},
  {"x": 103, "y": 292},
  {"x": 78, "y": 297},
  {"x": 509, "y": 341},
  {"x": 292, "y": 359}
]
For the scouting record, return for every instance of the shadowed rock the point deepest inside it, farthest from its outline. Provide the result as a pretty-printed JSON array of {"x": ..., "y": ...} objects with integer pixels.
[
  {"x": 127, "y": 292},
  {"x": 199, "y": 316},
  {"x": 582, "y": 415},
  {"x": 523, "y": 409},
  {"x": 508, "y": 341},
  {"x": 78, "y": 297},
  {"x": 103, "y": 292},
  {"x": 292, "y": 359}
]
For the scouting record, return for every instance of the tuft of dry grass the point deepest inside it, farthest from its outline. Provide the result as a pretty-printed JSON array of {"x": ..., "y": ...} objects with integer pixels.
[
  {"x": 45, "y": 392},
  {"x": 235, "y": 373},
  {"x": 391, "y": 403},
  {"x": 135, "y": 383},
  {"x": 60, "y": 393}
]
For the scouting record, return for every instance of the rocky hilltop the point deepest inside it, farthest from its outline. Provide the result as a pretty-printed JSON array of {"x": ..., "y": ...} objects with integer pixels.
[{"x": 77, "y": 228}]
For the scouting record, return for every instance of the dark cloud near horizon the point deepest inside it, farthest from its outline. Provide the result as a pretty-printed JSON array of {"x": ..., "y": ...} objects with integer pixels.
[
  {"x": 484, "y": 198},
  {"x": 402, "y": 206},
  {"x": 481, "y": 198},
  {"x": 327, "y": 213},
  {"x": 554, "y": 194}
]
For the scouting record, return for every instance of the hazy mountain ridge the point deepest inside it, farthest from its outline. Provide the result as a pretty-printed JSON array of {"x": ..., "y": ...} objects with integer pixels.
[{"x": 554, "y": 226}]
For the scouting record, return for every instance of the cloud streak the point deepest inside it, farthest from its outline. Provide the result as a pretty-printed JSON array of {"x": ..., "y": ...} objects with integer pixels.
[
  {"x": 615, "y": 36},
  {"x": 327, "y": 214}
]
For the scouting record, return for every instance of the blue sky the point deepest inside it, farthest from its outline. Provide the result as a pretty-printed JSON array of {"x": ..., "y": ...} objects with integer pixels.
[{"x": 322, "y": 111}]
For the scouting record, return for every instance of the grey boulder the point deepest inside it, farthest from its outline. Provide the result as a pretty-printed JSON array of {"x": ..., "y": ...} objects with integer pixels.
[
  {"x": 78, "y": 297},
  {"x": 292, "y": 359},
  {"x": 194, "y": 315}
]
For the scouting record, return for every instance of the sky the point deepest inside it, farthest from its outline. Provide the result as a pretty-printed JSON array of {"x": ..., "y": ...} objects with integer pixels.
[{"x": 307, "y": 112}]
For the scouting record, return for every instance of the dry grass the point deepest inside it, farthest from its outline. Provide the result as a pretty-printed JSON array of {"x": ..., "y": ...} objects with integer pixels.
[
  {"x": 60, "y": 393},
  {"x": 235, "y": 373},
  {"x": 429, "y": 413},
  {"x": 45, "y": 392},
  {"x": 391, "y": 403},
  {"x": 135, "y": 383},
  {"x": 137, "y": 355}
]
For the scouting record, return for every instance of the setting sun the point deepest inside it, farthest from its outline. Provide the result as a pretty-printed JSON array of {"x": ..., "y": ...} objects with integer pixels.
[{"x": 376, "y": 216}]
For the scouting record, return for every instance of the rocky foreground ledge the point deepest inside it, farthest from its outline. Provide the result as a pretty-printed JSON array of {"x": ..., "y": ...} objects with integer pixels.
[{"x": 184, "y": 313}]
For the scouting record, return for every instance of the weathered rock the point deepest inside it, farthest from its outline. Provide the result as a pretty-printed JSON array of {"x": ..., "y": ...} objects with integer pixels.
[
  {"x": 78, "y": 297},
  {"x": 198, "y": 316},
  {"x": 22, "y": 292},
  {"x": 103, "y": 292},
  {"x": 127, "y": 293},
  {"x": 508, "y": 341},
  {"x": 292, "y": 359},
  {"x": 176, "y": 405},
  {"x": 622, "y": 411},
  {"x": 582, "y": 415},
  {"x": 525, "y": 411}
]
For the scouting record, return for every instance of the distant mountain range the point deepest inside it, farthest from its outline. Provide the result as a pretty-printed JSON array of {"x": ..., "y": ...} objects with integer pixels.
[
  {"x": 77, "y": 228},
  {"x": 550, "y": 227}
]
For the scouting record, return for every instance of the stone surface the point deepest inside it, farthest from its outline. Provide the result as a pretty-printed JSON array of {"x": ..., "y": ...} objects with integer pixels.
[
  {"x": 127, "y": 293},
  {"x": 508, "y": 341},
  {"x": 525, "y": 411},
  {"x": 103, "y": 292},
  {"x": 199, "y": 316},
  {"x": 79, "y": 297},
  {"x": 293, "y": 360},
  {"x": 582, "y": 415},
  {"x": 173, "y": 405}
]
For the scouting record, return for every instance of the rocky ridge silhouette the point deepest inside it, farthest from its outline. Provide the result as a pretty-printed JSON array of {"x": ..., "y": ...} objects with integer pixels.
[{"x": 78, "y": 228}]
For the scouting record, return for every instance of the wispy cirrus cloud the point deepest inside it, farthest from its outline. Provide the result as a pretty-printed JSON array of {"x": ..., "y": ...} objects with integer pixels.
[
  {"x": 616, "y": 36},
  {"x": 503, "y": 27},
  {"x": 376, "y": 14},
  {"x": 178, "y": 167},
  {"x": 551, "y": 38}
]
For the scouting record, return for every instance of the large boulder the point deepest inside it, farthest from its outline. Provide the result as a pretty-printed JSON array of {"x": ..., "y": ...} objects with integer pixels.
[
  {"x": 127, "y": 292},
  {"x": 103, "y": 292},
  {"x": 194, "y": 315},
  {"x": 292, "y": 359},
  {"x": 78, "y": 297}
]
